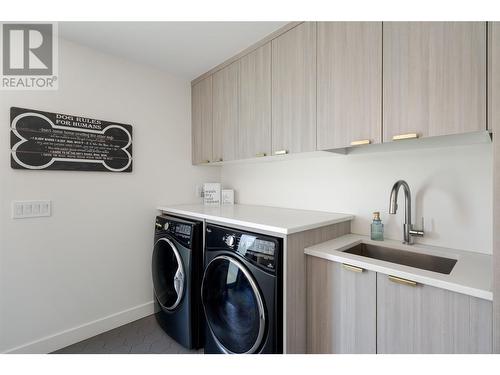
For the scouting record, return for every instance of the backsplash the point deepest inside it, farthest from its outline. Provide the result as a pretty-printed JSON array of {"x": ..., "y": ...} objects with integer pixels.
[{"x": 451, "y": 188}]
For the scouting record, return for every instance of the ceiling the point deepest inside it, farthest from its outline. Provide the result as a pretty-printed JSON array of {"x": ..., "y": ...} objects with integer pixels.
[{"x": 186, "y": 49}]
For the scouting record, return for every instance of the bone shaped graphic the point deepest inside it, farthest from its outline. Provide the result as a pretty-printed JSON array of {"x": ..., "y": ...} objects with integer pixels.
[{"x": 51, "y": 160}]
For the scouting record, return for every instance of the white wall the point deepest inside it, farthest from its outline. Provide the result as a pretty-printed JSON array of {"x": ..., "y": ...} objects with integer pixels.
[
  {"x": 91, "y": 259},
  {"x": 451, "y": 188}
]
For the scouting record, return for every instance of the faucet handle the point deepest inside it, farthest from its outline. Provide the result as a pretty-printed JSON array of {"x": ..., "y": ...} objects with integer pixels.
[{"x": 418, "y": 232}]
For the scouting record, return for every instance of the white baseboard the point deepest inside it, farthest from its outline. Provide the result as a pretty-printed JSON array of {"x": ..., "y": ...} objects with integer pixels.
[{"x": 71, "y": 336}]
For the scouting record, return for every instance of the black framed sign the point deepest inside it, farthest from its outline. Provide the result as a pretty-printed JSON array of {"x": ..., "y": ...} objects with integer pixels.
[{"x": 55, "y": 141}]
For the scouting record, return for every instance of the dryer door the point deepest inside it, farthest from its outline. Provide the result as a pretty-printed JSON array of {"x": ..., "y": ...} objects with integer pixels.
[
  {"x": 233, "y": 306},
  {"x": 168, "y": 274}
]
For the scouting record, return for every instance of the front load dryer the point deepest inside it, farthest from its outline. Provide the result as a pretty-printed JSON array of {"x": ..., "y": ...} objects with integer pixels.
[{"x": 242, "y": 292}]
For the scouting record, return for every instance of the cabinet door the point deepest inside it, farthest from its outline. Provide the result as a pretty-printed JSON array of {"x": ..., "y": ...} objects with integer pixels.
[
  {"x": 341, "y": 307},
  {"x": 254, "y": 132},
  {"x": 201, "y": 106},
  {"x": 424, "y": 319},
  {"x": 225, "y": 112},
  {"x": 349, "y": 83},
  {"x": 434, "y": 78},
  {"x": 294, "y": 90}
]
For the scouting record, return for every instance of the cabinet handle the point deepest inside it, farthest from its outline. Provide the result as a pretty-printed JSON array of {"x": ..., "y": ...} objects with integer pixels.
[
  {"x": 360, "y": 142},
  {"x": 206, "y": 161},
  {"x": 217, "y": 160},
  {"x": 399, "y": 280},
  {"x": 352, "y": 268},
  {"x": 400, "y": 137},
  {"x": 260, "y": 154},
  {"x": 281, "y": 152}
]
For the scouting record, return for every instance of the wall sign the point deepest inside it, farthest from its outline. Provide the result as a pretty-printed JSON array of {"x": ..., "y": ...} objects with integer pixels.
[
  {"x": 211, "y": 193},
  {"x": 42, "y": 140}
]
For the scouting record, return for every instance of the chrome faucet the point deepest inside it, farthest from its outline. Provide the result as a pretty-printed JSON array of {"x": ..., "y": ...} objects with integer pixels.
[{"x": 408, "y": 230}]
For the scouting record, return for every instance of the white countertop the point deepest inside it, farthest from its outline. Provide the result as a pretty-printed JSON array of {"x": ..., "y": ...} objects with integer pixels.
[
  {"x": 281, "y": 221},
  {"x": 472, "y": 274}
]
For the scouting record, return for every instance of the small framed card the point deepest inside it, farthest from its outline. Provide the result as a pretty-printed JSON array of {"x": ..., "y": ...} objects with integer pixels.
[
  {"x": 211, "y": 194},
  {"x": 227, "y": 196}
]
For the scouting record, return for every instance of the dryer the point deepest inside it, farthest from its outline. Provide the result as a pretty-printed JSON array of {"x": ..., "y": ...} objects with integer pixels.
[
  {"x": 242, "y": 292},
  {"x": 177, "y": 266}
]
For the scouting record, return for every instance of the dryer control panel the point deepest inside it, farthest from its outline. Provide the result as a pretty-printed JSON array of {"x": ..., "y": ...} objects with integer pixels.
[{"x": 261, "y": 250}]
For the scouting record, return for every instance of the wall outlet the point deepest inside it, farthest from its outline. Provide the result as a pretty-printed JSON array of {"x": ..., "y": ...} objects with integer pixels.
[
  {"x": 199, "y": 191},
  {"x": 25, "y": 209}
]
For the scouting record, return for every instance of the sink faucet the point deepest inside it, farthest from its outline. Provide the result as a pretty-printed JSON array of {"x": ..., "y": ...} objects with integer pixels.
[{"x": 408, "y": 230}]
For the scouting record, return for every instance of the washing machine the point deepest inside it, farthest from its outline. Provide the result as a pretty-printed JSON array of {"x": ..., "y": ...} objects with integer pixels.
[
  {"x": 177, "y": 267},
  {"x": 242, "y": 292}
]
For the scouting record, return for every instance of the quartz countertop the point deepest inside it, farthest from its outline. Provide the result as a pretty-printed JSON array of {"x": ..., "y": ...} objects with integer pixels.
[
  {"x": 472, "y": 274},
  {"x": 281, "y": 221}
]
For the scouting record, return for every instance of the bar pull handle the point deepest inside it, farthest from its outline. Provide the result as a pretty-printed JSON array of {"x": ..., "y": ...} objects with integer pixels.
[
  {"x": 360, "y": 142},
  {"x": 352, "y": 268},
  {"x": 281, "y": 152},
  {"x": 402, "y": 281},
  {"x": 400, "y": 137},
  {"x": 260, "y": 154}
]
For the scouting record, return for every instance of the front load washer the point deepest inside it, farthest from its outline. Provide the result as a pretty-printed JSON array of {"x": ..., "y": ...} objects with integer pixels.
[
  {"x": 177, "y": 267},
  {"x": 242, "y": 292}
]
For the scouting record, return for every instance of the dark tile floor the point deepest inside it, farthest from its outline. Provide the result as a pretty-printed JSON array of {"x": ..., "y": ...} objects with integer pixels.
[{"x": 144, "y": 336}]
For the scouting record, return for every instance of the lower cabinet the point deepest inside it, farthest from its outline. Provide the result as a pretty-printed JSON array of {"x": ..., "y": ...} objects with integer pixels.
[
  {"x": 341, "y": 308},
  {"x": 417, "y": 318},
  {"x": 352, "y": 310}
]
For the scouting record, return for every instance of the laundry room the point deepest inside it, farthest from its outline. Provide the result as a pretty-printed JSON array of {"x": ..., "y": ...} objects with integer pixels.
[{"x": 289, "y": 182}]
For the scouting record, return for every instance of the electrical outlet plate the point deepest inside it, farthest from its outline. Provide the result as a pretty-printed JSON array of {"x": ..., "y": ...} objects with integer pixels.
[
  {"x": 199, "y": 191},
  {"x": 26, "y": 209}
]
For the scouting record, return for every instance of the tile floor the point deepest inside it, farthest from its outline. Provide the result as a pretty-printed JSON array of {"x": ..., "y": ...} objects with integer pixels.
[{"x": 144, "y": 336}]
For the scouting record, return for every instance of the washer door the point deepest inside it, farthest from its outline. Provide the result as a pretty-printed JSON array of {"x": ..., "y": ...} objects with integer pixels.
[
  {"x": 168, "y": 274},
  {"x": 233, "y": 306}
]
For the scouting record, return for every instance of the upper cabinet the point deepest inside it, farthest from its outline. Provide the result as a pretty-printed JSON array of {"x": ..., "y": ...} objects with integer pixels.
[
  {"x": 254, "y": 131},
  {"x": 294, "y": 90},
  {"x": 329, "y": 85},
  {"x": 349, "y": 84},
  {"x": 225, "y": 112},
  {"x": 201, "y": 106},
  {"x": 434, "y": 78}
]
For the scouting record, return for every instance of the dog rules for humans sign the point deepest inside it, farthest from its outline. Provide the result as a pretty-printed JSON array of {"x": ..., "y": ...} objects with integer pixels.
[{"x": 55, "y": 141}]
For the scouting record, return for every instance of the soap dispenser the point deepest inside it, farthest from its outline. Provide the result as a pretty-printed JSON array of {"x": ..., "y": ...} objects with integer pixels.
[{"x": 377, "y": 228}]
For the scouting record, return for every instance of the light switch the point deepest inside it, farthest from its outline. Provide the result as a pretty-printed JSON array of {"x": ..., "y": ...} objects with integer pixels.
[
  {"x": 26, "y": 209},
  {"x": 45, "y": 208},
  {"x": 18, "y": 210}
]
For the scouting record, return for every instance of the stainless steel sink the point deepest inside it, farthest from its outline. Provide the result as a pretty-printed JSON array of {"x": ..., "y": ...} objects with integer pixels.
[{"x": 403, "y": 257}]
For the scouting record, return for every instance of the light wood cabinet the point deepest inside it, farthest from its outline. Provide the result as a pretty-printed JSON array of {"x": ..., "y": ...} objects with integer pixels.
[
  {"x": 349, "y": 83},
  {"x": 294, "y": 90},
  {"x": 327, "y": 85},
  {"x": 225, "y": 112},
  {"x": 341, "y": 308},
  {"x": 201, "y": 113},
  {"x": 254, "y": 131},
  {"x": 434, "y": 78},
  {"x": 425, "y": 319}
]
